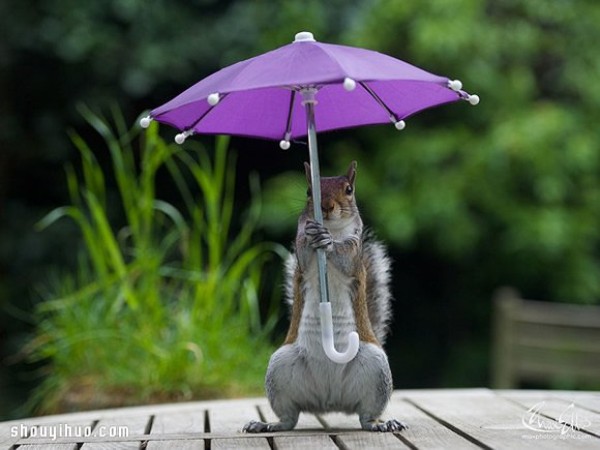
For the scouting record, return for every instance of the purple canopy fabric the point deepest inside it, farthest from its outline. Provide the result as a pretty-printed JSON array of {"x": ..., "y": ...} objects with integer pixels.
[
  {"x": 301, "y": 89},
  {"x": 260, "y": 97}
]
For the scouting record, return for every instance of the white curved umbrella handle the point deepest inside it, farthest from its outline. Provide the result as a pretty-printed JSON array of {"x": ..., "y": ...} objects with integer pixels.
[{"x": 327, "y": 338}]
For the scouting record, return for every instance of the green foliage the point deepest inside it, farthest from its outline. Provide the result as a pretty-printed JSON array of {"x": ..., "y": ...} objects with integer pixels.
[
  {"x": 478, "y": 197},
  {"x": 166, "y": 307}
]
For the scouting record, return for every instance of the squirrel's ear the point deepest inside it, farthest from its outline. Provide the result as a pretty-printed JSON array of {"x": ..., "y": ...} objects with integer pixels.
[
  {"x": 351, "y": 174},
  {"x": 307, "y": 171}
]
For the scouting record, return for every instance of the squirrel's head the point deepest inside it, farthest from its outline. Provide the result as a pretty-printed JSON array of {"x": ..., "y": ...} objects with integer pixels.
[{"x": 337, "y": 194}]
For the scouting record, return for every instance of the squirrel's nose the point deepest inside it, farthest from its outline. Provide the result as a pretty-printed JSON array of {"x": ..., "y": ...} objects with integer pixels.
[{"x": 327, "y": 206}]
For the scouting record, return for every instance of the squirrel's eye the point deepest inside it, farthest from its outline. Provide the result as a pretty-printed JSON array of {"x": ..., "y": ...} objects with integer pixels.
[
  {"x": 349, "y": 189},
  {"x": 309, "y": 192}
]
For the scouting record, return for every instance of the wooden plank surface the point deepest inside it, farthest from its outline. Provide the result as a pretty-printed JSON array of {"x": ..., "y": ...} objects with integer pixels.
[
  {"x": 306, "y": 422},
  {"x": 589, "y": 401},
  {"x": 457, "y": 419},
  {"x": 320, "y": 441},
  {"x": 424, "y": 432},
  {"x": 561, "y": 415},
  {"x": 48, "y": 447},
  {"x": 122, "y": 427},
  {"x": 7, "y": 439},
  {"x": 489, "y": 421},
  {"x": 190, "y": 422},
  {"x": 180, "y": 444},
  {"x": 230, "y": 419}
]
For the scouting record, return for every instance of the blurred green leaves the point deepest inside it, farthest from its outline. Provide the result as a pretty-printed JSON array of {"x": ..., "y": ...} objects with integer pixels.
[
  {"x": 518, "y": 174},
  {"x": 167, "y": 306}
]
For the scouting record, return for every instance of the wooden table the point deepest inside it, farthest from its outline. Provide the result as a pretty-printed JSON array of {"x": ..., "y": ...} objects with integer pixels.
[{"x": 448, "y": 418}]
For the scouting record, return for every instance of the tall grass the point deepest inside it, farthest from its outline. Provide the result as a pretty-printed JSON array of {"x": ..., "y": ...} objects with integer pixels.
[{"x": 167, "y": 306}]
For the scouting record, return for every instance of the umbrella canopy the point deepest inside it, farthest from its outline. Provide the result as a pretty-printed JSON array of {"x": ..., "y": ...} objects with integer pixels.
[
  {"x": 298, "y": 90},
  {"x": 260, "y": 97}
]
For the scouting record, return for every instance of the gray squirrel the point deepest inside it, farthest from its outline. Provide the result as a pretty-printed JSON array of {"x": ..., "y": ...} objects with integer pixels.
[{"x": 300, "y": 377}]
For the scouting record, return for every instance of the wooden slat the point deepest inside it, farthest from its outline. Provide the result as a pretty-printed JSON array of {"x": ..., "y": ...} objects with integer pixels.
[
  {"x": 560, "y": 314},
  {"x": 190, "y": 422},
  {"x": 563, "y": 410},
  {"x": 240, "y": 443},
  {"x": 132, "y": 445},
  {"x": 6, "y": 436},
  {"x": 118, "y": 427},
  {"x": 185, "y": 422},
  {"x": 338, "y": 422},
  {"x": 187, "y": 444},
  {"x": 48, "y": 447},
  {"x": 230, "y": 419},
  {"x": 488, "y": 420},
  {"x": 558, "y": 337},
  {"x": 535, "y": 363},
  {"x": 305, "y": 421},
  {"x": 320, "y": 441},
  {"x": 424, "y": 432},
  {"x": 585, "y": 400},
  {"x": 366, "y": 439}
]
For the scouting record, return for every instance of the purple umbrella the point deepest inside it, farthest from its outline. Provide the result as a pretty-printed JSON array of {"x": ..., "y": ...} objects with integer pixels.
[{"x": 298, "y": 90}]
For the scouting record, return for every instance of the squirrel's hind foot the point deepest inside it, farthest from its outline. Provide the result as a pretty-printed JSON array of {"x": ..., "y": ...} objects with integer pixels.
[
  {"x": 384, "y": 426},
  {"x": 255, "y": 426}
]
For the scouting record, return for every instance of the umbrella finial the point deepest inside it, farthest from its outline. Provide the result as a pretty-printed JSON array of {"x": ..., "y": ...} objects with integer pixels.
[{"x": 304, "y": 36}]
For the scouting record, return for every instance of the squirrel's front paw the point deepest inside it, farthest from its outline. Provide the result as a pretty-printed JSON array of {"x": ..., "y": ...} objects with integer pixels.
[{"x": 318, "y": 236}]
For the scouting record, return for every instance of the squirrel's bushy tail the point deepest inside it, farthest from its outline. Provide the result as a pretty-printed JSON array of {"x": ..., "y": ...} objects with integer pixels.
[{"x": 379, "y": 297}]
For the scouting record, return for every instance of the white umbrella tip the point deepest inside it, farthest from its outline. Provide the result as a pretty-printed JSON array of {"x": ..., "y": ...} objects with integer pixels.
[
  {"x": 304, "y": 36},
  {"x": 181, "y": 137},
  {"x": 145, "y": 121},
  {"x": 400, "y": 125},
  {"x": 473, "y": 99},
  {"x": 213, "y": 99},
  {"x": 349, "y": 84},
  {"x": 455, "y": 85}
]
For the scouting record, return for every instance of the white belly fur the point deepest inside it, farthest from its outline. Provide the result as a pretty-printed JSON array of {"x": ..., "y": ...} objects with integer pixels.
[{"x": 309, "y": 333}]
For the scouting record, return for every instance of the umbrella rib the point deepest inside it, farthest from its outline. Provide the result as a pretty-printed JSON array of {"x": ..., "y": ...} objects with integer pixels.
[
  {"x": 288, "y": 124},
  {"x": 197, "y": 121},
  {"x": 378, "y": 99}
]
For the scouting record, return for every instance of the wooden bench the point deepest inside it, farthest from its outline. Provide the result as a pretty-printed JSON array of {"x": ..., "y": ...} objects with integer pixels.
[{"x": 543, "y": 342}]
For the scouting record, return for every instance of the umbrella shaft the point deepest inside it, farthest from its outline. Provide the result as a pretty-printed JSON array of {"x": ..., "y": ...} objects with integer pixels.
[{"x": 315, "y": 180}]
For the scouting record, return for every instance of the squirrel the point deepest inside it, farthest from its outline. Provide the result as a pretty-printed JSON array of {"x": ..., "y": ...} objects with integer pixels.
[{"x": 300, "y": 377}]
